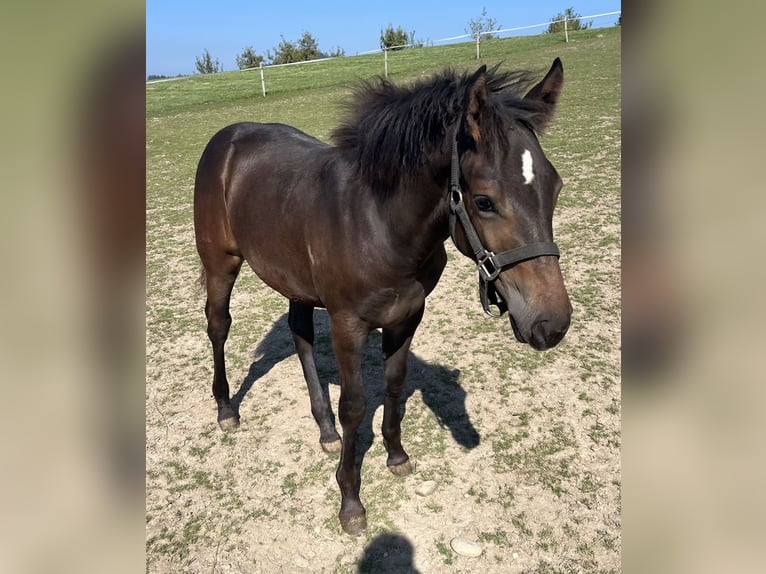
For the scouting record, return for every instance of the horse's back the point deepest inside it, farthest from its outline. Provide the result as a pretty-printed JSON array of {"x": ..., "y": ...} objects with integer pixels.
[
  {"x": 252, "y": 162},
  {"x": 249, "y": 141}
]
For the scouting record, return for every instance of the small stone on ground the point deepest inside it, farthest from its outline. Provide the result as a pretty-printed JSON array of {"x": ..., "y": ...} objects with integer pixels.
[
  {"x": 465, "y": 547},
  {"x": 425, "y": 488}
]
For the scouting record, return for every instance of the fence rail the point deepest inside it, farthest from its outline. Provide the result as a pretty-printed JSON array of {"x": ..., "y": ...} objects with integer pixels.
[{"x": 385, "y": 51}]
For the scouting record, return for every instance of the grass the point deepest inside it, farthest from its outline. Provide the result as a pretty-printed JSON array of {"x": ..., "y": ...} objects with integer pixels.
[
  {"x": 283, "y": 83},
  {"x": 497, "y": 537},
  {"x": 444, "y": 551},
  {"x": 544, "y": 437}
]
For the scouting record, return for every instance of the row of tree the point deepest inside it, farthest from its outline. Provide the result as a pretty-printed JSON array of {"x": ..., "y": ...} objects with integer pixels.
[
  {"x": 480, "y": 29},
  {"x": 302, "y": 50},
  {"x": 307, "y": 47}
]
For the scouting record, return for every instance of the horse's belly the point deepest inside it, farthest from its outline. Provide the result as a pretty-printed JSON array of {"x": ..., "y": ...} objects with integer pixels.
[{"x": 287, "y": 273}]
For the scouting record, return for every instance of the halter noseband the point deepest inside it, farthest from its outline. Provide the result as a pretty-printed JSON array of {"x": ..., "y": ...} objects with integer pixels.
[{"x": 488, "y": 263}]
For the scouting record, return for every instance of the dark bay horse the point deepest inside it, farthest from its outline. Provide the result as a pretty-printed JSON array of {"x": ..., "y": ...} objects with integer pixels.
[{"x": 359, "y": 228}]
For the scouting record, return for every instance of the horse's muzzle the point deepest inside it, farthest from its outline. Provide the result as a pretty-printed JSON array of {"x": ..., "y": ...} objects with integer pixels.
[
  {"x": 544, "y": 332},
  {"x": 540, "y": 316},
  {"x": 539, "y": 321},
  {"x": 547, "y": 333}
]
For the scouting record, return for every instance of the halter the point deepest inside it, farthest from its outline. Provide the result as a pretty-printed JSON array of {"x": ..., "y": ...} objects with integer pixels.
[{"x": 488, "y": 263}]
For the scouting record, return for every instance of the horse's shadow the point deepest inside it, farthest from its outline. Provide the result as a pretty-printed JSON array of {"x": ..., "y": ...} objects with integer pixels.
[{"x": 437, "y": 384}]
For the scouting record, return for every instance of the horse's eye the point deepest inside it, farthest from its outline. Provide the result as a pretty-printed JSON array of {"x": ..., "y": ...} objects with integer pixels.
[{"x": 483, "y": 203}]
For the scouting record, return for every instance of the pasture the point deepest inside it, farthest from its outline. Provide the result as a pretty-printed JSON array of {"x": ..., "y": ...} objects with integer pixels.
[{"x": 524, "y": 446}]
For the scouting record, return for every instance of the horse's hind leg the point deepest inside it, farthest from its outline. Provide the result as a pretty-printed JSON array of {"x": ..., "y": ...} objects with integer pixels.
[
  {"x": 396, "y": 346},
  {"x": 219, "y": 280},
  {"x": 301, "y": 321}
]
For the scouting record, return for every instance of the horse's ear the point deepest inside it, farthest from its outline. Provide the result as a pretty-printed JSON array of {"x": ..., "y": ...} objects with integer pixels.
[
  {"x": 475, "y": 105},
  {"x": 547, "y": 92}
]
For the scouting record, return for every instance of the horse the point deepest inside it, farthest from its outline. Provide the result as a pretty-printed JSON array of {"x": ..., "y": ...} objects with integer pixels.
[{"x": 358, "y": 227}]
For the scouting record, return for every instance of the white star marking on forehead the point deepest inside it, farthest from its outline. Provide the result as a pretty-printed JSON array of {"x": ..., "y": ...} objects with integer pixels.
[{"x": 526, "y": 167}]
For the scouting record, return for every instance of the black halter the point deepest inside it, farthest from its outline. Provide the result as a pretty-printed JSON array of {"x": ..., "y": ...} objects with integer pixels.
[{"x": 488, "y": 263}]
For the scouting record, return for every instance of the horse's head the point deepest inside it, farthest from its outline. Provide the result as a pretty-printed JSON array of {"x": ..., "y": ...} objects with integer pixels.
[{"x": 509, "y": 190}]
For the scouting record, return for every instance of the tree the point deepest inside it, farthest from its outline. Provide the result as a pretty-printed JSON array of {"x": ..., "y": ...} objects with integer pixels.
[
  {"x": 573, "y": 22},
  {"x": 306, "y": 48},
  {"x": 336, "y": 53},
  {"x": 396, "y": 39},
  {"x": 249, "y": 59},
  {"x": 206, "y": 64},
  {"x": 479, "y": 27},
  {"x": 284, "y": 53}
]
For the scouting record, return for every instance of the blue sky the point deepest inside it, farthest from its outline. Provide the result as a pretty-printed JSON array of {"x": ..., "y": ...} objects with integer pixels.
[{"x": 179, "y": 31}]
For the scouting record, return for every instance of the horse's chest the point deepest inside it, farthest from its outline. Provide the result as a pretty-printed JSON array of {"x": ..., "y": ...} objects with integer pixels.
[{"x": 394, "y": 304}]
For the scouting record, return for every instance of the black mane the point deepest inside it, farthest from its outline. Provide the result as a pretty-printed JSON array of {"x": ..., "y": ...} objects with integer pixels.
[{"x": 391, "y": 130}]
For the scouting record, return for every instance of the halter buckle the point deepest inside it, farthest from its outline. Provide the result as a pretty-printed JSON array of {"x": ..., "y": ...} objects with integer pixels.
[{"x": 488, "y": 268}]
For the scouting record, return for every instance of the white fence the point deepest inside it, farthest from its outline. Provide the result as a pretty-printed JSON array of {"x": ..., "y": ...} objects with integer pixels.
[
  {"x": 385, "y": 51},
  {"x": 477, "y": 37}
]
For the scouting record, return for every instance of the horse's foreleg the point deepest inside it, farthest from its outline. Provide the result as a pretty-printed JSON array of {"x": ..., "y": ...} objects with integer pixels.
[
  {"x": 219, "y": 284},
  {"x": 348, "y": 338},
  {"x": 301, "y": 321},
  {"x": 396, "y": 346}
]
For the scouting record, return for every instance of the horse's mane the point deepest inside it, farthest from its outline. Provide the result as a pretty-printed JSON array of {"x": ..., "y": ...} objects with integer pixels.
[{"x": 391, "y": 130}]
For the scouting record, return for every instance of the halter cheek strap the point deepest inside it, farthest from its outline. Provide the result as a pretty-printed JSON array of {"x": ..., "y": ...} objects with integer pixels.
[{"x": 488, "y": 263}]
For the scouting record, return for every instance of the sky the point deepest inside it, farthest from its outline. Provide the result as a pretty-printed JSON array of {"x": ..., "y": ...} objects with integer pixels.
[{"x": 179, "y": 31}]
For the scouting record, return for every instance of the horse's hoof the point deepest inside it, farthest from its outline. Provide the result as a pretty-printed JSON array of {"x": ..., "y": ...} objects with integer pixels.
[
  {"x": 229, "y": 424},
  {"x": 403, "y": 469},
  {"x": 332, "y": 447},
  {"x": 353, "y": 525}
]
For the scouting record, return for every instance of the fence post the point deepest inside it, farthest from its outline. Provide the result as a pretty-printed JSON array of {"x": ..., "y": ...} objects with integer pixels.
[
  {"x": 478, "y": 41},
  {"x": 385, "y": 59},
  {"x": 263, "y": 82},
  {"x": 566, "y": 34}
]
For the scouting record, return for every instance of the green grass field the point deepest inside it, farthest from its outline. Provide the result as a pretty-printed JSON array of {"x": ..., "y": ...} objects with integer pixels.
[
  {"x": 284, "y": 82},
  {"x": 541, "y": 489}
]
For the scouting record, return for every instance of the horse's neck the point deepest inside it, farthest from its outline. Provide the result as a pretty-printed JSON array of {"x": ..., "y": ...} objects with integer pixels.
[{"x": 423, "y": 213}]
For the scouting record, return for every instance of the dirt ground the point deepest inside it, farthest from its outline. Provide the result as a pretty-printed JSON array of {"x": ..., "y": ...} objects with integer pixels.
[{"x": 524, "y": 446}]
